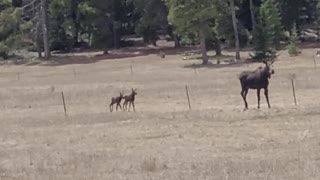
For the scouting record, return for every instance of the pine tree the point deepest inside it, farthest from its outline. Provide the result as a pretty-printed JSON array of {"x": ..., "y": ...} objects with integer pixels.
[
  {"x": 293, "y": 50},
  {"x": 268, "y": 31},
  {"x": 270, "y": 11},
  {"x": 235, "y": 28},
  {"x": 194, "y": 17},
  {"x": 13, "y": 29},
  {"x": 153, "y": 20},
  {"x": 262, "y": 42}
]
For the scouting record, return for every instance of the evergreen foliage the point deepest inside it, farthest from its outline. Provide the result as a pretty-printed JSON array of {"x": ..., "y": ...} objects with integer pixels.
[
  {"x": 293, "y": 49},
  {"x": 13, "y": 31},
  {"x": 268, "y": 32},
  {"x": 107, "y": 24}
]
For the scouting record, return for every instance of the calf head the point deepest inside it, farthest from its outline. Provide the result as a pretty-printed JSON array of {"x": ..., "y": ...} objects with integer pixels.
[{"x": 134, "y": 91}]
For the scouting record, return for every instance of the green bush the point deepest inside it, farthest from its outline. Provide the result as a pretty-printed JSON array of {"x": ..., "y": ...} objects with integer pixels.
[
  {"x": 4, "y": 51},
  {"x": 293, "y": 49}
]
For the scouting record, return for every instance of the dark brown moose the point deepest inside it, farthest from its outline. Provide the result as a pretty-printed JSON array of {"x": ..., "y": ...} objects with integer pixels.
[{"x": 258, "y": 79}]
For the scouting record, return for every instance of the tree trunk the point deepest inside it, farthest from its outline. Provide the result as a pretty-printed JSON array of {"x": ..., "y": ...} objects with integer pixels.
[
  {"x": 218, "y": 47},
  {"x": 75, "y": 20},
  {"x": 176, "y": 39},
  {"x": 154, "y": 42},
  {"x": 116, "y": 37},
  {"x": 253, "y": 18},
  {"x": 318, "y": 34},
  {"x": 203, "y": 48},
  {"x": 38, "y": 40},
  {"x": 116, "y": 23},
  {"x": 44, "y": 21},
  {"x": 38, "y": 35},
  {"x": 235, "y": 28}
]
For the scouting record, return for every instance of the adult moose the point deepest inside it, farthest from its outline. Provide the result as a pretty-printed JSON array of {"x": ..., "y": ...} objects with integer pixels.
[{"x": 258, "y": 79}]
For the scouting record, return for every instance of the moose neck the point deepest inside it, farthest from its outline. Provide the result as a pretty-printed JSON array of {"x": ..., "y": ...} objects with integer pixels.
[{"x": 265, "y": 72}]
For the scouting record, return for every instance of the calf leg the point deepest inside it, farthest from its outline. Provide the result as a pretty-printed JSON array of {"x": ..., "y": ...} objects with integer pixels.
[
  {"x": 133, "y": 106},
  {"x": 111, "y": 107},
  {"x": 266, "y": 93},
  {"x": 120, "y": 106},
  {"x": 124, "y": 106},
  {"x": 258, "y": 95},
  {"x": 129, "y": 106}
]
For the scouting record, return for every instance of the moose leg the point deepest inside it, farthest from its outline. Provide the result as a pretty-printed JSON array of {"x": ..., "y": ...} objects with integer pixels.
[
  {"x": 258, "y": 95},
  {"x": 266, "y": 93},
  {"x": 245, "y": 98},
  {"x": 244, "y": 93}
]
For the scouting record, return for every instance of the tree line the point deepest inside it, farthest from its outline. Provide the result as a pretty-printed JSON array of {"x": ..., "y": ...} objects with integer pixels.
[{"x": 48, "y": 25}]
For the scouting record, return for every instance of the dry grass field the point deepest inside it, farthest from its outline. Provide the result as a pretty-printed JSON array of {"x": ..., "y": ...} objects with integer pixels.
[{"x": 216, "y": 140}]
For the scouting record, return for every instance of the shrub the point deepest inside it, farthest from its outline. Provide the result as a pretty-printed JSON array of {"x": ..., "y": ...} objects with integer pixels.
[
  {"x": 4, "y": 51},
  {"x": 293, "y": 49}
]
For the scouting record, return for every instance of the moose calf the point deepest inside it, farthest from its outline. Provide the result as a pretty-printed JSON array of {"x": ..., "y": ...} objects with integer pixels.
[
  {"x": 130, "y": 99},
  {"x": 117, "y": 101}
]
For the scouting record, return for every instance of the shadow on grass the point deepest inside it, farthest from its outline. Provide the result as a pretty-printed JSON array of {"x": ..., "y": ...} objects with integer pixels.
[
  {"x": 309, "y": 45},
  {"x": 93, "y": 56},
  {"x": 210, "y": 65},
  {"x": 220, "y": 61},
  {"x": 89, "y": 57}
]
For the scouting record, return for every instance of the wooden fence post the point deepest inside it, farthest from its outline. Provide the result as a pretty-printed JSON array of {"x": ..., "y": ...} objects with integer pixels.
[
  {"x": 74, "y": 72},
  {"x": 314, "y": 61},
  {"x": 187, "y": 92},
  {"x": 131, "y": 68},
  {"x": 292, "y": 77},
  {"x": 64, "y": 104}
]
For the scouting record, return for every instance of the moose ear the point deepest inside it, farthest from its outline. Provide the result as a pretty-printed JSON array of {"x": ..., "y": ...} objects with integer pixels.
[{"x": 275, "y": 59}]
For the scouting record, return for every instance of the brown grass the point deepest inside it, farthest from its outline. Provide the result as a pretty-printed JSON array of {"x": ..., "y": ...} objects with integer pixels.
[{"x": 162, "y": 140}]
